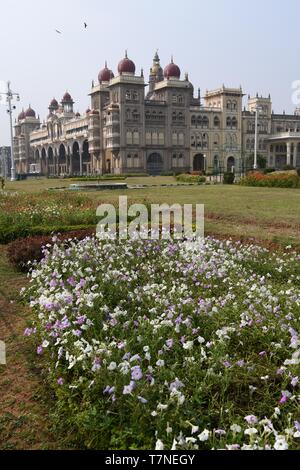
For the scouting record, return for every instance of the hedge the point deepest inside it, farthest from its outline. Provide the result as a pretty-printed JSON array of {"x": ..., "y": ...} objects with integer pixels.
[{"x": 9, "y": 234}]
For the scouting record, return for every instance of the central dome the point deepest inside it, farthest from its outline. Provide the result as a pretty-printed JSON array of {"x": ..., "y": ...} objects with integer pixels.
[
  {"x": 172, "y": 71},
  {"x": 126, "y": 66},
  {"x": 30, "y": 112}
]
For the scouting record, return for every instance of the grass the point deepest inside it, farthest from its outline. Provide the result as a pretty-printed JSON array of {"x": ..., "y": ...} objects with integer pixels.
[{"x": 267, "y": 214}]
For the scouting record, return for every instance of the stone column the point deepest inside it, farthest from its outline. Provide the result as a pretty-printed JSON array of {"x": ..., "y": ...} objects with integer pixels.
[
  {"x": 288, "y": 153},
  {"x": 295, "y": 154},
  {"x": 80, "y": 163}
]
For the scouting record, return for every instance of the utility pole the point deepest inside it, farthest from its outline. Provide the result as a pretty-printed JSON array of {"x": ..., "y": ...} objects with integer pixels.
[{"x": 9, "y": 98}]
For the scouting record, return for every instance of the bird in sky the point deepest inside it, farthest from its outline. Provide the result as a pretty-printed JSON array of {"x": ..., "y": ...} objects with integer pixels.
[
  {"x": 58, "y": 32},
  {"x": 85, "y": 25}
]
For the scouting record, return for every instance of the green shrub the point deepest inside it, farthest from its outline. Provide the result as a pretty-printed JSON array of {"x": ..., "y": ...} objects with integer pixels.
[
  {"x": 9, "y": 234},
  {"x": 192, "y": 179},
  {"x": 269, "y": 170},
  {"x": 288, "y": 168},
  {"x": 228, "y": 178}
]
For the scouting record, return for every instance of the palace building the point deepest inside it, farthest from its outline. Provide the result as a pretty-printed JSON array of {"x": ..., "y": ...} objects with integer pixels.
[{"x": 166, "y": 129}]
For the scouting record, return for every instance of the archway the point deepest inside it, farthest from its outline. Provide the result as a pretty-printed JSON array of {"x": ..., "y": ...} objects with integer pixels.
[
  {"x": 155, "y": 164},
  {"x": 75, "y": 159},
  {"x": 86, "y": 158},
  {"x": 199, "y": 162},
  {"x": 44, "y": 162},
  {"x": 231, "y": 165},
  {"x": 51, "y": 162},
  {"x": 62, "y": 161}
]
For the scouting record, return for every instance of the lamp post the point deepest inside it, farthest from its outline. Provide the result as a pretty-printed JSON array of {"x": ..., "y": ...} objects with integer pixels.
[
  {"x": 9, "y": 98},
  {"x": 257, "y": 111}
]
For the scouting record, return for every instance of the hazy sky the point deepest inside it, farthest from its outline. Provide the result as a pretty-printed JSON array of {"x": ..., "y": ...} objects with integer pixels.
[{"x": 253, "y": 43}]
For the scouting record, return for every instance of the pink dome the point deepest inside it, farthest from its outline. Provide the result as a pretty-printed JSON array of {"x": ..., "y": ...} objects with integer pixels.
[
  {"x": 54, "y": 104},
  {"x": 22, "y": 115},
  {"x": 105, "y": 75},
  {"x": 126, "y": 66},
  {"x": 30, "y": 112},
  {"x": 67, "y": 98},
  {"x": 172, "y": 71}
]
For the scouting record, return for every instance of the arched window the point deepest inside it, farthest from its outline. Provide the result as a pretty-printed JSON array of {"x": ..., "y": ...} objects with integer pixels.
[
  {"x": 193, "y": 120},
  {"x": 199, "y": 120},
  {"x": 174, "y": 160},
  {"x": 234, "y": 123},
  {"x": 180, "y": 99},
  {"x": 193, "y": 141},
  {"x": 181, "y": 138},
  {"x": 148, "y": 138},
  {"x": 174, "y": 138},
  {"x": 180, "y": 117},
  {"x": 135, "y": 95},
  {"x": 205, "y": 141},
  {"x": 216, "y": 140},
  {"x": 234, "y": 105},
  {"x": 228, "y": 122},
  {"x": 180, "y": 160},
  {"x": 174, "y": 99},
  {"x": 174, "y": 116},
  {"x": 136, "y": 137},
  {"x": 161, "y": 138},
  {"x": 129, "y": 138},
  {"x": 154, "y": 138},
  {"x": 136, "y": 161},
  {"x": 248, "y": 144},
  {"x": 217, "y": 122},
  {"x": 128, "y": 95},
  {"x": 205, "y": 122},
  {"x": 228, "y": 105}
]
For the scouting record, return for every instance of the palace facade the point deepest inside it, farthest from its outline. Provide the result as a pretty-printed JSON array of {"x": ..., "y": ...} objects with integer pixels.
[{"x": 167, "y": 129}]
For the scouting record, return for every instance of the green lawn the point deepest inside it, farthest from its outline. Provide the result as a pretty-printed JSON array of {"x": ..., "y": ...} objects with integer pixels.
[{"x": 271, "y": 214}]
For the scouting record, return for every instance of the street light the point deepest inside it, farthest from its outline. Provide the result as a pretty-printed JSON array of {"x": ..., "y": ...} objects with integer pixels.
[
  {"x": 258, "y": 109},
  {"x": 9, "y": 97}
]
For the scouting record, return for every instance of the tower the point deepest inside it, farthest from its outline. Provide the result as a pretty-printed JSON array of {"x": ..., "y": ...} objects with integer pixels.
[{"x": 156, "y": 73}]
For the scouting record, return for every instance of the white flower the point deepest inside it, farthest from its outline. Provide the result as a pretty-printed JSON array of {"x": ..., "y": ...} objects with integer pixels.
[
  {"x": 201, "y": 340},
  {"x": 188, "y": 345},
  {"x": 159, "y": 445},
  {"x": 281, "y": 443},
  {"x": 236, "y": 428},
  {"x": 112, "y": 366},
  {"x": 45, "y": 344},
  {"x": 204, "y": 436},
  {"x": 174, "y": 445},
  {"x": 160, "y": 363},
  {"x": 195, "y": 429},
  {"x": 191, "y": 439},
  {"x": 251, "y": 431}
]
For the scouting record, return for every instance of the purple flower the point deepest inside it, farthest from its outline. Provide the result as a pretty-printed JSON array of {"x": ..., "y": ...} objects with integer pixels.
[
  {"x": 28, "y": 332},
  {"x": 251, "y": 419},
  {"x": 136, "y": 373},
  {"x": 142, "y": 400},
  {"x": 128, "y": 389},
  {"x": 71, "y": 281},
  {"x": 262, "y": 354},
  {"x": 226, "y": 364},
  {"x": 170, "y": 343},
  {"x": 283, "y": 400},
  {"x": 295, "y": 382},
  {"x": 40, "y": 350},
  {"x": 297, "y": 425},
  {"x": 60, "y": 381}
]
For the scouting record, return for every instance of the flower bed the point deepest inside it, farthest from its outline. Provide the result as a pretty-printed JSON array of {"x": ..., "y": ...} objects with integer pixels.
[
  {"x": 170, "y": 345},
  {"x": 273, "y": 180}
]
